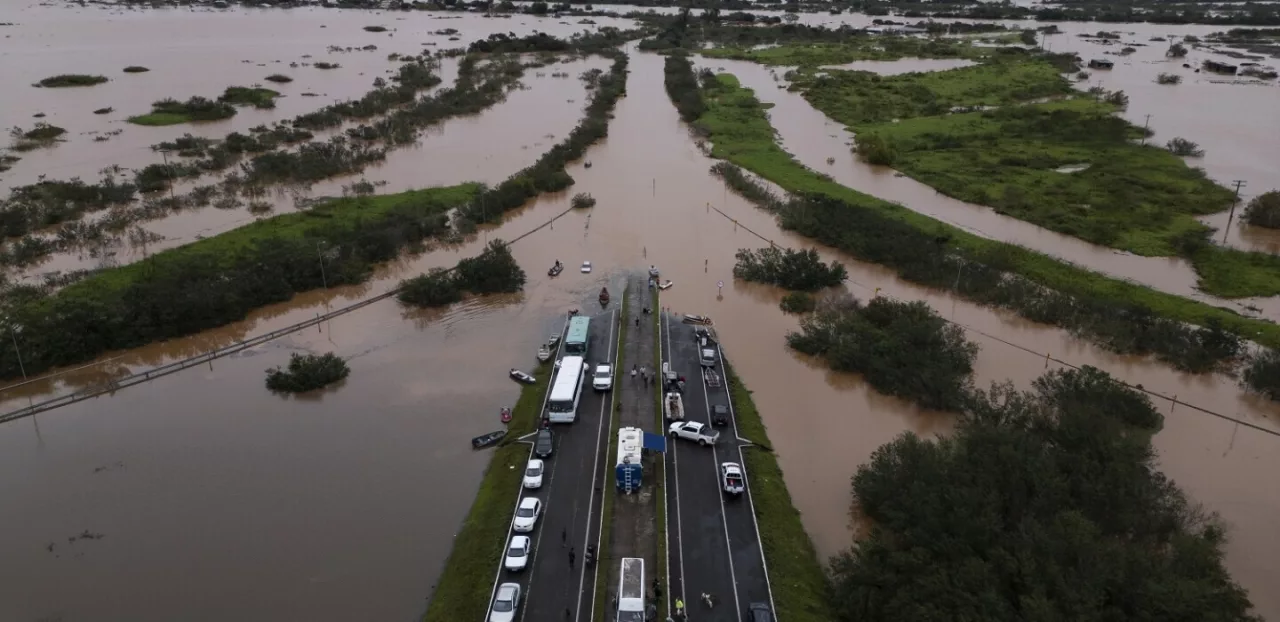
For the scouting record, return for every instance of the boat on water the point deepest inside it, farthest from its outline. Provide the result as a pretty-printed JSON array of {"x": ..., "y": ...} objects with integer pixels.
[
  {"x": 604, "y": 296},
  {"x": 522, "y": 377},
  {"x": 485, "y": 440},
  {"x": 544, "y": 353},
  {"x": 505, "y": 415},
  {"x": 556, "y": 269},
  {"x": 696, "y": 319},
  {"x": 673, "y": 407},
  {"x": 553, "y": 341},
  {"x": 665, "y": 285}
]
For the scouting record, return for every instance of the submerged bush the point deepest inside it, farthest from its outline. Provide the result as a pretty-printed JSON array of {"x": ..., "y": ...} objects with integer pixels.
[
  {"x": 789, "y": 269},
  {"x": 71, "y": 79},
  {"x": 1264, "y": 210},
  {"x": 436, "y": 288},
  {"x": 325, "y": 65},
  {"x": 245, "y": 96},
  {"x": 1168, "y": 78},
  {"x": 493, "y": 271},
  {"x": 901, "y": 348},
  {"x": 1262, "y": 375},
  {"x": 307, "y": 373},
  {"x": 875, "y": 149},
  {"x": 278, "y": 78},
  {"x": 1183, "y": 147},
  {"x": 682, "y": 87},
  {"x": 582, "y": 200},
  {"x": 136, "y": 69},
  {"x": 798, "y": 302}
]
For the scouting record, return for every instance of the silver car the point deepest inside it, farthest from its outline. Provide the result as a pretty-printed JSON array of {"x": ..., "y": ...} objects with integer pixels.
[{"x": 505, "y": 603}]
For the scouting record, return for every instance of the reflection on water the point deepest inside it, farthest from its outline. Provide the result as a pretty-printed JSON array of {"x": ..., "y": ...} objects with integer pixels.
[{"x": 245, "y": 505}]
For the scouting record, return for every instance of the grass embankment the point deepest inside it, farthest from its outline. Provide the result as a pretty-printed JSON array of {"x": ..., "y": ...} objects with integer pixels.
[
  {"x": 218, "y": 280},
  {"x": 660, "y": 483},
  {"x": 798, "y": 580},
  {"x": 1070, "y": 166},
  {"x": 604, "y": 563},
  {"x": 71, "y": 79},
  {"x": 741, "y": 134},
  {"x": 855, "y": 48},
  {"x": 465, "y": 584}
]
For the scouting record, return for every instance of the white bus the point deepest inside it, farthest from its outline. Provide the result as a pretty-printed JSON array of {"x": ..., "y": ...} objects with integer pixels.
[
  {"x": 631, "y": 590},
  {"x": 562, "y": 407}
]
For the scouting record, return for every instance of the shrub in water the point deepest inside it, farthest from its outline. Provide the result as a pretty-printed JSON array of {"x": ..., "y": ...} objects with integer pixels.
[{"x": 307, "y": 372}]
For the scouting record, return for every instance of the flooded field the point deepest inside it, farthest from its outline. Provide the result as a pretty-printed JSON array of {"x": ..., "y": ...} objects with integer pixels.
[{"x": 217, "y": 500}]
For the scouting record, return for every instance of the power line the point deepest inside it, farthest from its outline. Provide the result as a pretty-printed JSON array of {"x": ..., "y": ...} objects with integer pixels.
[{"x": 1174, "y": 401}]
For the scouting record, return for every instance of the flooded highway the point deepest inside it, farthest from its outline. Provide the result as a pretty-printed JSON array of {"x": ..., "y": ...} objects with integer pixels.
[{"x": 215, "y": 499}]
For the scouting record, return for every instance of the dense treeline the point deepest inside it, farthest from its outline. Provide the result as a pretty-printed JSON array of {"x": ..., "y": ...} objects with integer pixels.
[
  {"x": 548, "y": 173},
  {"x": 48, "y": 203},
  {"x": 901, "y": 348},
  {"x": 307, "y": 373},
  {"x": 493, "y": 271},
  {"x": 683, "y": 89},
  {"x": 1044, "y": 505},
  {"x": 790, "y": 269},
  {"x": 219, "y": 280},
  {"x": 1264, "y": 210}
]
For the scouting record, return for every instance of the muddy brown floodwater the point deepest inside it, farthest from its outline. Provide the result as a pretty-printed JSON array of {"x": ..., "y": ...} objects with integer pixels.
[{"x": 218, "y": 500}]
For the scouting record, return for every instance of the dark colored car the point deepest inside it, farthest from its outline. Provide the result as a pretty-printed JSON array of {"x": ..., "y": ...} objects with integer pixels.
[
  {"x": 545, "y": 443},
  {"x": 719, "y": 415},
  {"x": 757, "y": 612}
]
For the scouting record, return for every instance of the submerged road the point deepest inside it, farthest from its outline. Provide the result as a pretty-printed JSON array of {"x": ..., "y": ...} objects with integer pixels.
[
  {"x": 713, "y": 539},
  {"x": 553, "y": 589}
]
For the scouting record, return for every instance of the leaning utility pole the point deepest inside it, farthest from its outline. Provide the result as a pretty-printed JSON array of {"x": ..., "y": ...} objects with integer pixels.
[{"x": 1238, "y": 183}]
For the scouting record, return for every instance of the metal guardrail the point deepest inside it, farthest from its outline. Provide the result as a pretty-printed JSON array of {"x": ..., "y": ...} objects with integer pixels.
[{"x": 205, "y": 357}]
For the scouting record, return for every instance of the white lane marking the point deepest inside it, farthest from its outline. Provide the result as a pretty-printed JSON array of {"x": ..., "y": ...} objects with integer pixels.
[
  {"x": 715, "y": 472},
  {"x": 595, "y": 470}
]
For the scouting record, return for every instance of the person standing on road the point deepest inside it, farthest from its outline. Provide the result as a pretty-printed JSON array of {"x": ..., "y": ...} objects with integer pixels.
[
  {"x": 564, "y": 537},
  {"x": 633, "y": 373},
  {"x": 637, "y": 322},
  {"x": 571, "y": 558}
]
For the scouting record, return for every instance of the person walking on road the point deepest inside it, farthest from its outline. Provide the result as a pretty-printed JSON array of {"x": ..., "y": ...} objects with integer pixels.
[
  {"x": 571, "y": 558},
  {"x": 564, "y": 537},
  {"x": 637, "y": 322},
  {"x": 679, "y": 607},
  {"x": 657, "y": 589},
  {"x": 633, "y": 373}
]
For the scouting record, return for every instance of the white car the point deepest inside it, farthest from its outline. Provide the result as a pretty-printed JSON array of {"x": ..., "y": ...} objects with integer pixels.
[
  {"x": 603, "y": 378},
  {"x": 505, "y": 603},
  {"x": 696, "y": 431},
  {"x": 533, "y": 474},
  {"x": 527, "y": 515},
  {"x": 518, "y": 553},
  {"x": 586, "y": 267}
]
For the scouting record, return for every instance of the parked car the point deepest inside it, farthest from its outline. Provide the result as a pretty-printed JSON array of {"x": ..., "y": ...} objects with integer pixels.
[
  {"x": 518, "y": 553},
  {"x": 758, "y": 612},
  {"x": 545, "y": 444},
  {"x": 731, "y": 478},
  {"x": 707, "y": 353},
  {"x": 696, "y": 431},
  {"x": 719, "y": 415},
  {"x": 533, "y": 473},
  {"x": 603, "y": 378},
  {"x": 527, "y": 515},
  {"x": 505, "y": 603}
]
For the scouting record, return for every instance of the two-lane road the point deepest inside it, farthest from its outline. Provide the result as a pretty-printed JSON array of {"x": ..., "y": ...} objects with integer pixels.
[{"x": 571, "y": 497}]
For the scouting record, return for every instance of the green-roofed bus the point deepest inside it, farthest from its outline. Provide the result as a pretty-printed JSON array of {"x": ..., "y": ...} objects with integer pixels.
[{"x": 576, "y": 342}]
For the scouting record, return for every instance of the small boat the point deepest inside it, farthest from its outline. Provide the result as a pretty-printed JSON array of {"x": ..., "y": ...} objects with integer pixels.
[
  {"x": 712, "y": 378},
  {"x": 696, "y": 319},
  {"x": 553, "y": 341},
  {"x": 587, "y": 164},
  {"x": 665, "y": 285},
  {"x": 544, "y": 353},
  {"x": 522, "y": 377},
  {"x": 586, "y": 267},
  {"x": 485, "y": 440},
  {"x": 604, "y": 297},
  {"x": 505, "y": 415},
  {"x": 555, "y": 270},
  {"x": 673, "y": 407}
]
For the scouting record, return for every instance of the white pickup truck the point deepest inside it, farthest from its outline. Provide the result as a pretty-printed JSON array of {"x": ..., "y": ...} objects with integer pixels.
[
  {"x": 731, "y": 478},
  {"x": 696, "y": 431}
]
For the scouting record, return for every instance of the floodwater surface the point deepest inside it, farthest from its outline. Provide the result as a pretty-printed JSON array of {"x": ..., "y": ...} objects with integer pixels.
[{"x": 225, "y": 501}]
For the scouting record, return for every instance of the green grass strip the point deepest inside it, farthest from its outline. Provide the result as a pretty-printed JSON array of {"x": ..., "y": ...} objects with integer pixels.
[
  {"x": 741, "y": 134},
  {"x": 603, "y": 563},
  {"x": 660, "y": 484},
  {"x": 800, "y": 588},
  {"x": 465, "y": 585}
]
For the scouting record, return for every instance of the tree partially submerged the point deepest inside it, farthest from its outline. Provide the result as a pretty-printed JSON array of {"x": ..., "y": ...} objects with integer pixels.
[
  {"x": 1264, "y": 210},
  {"x": 1044, "y": 505},
  {"x": 582, "y": 200},
  {"x": 1182, "y": 147},
  {"x": 901, "y": 348},
  {"x": 789, "y": 269},
  {"x": 307, "y": 373},
  {"x": 491, "y": 272},
  {"x": 71, "y": 79}
]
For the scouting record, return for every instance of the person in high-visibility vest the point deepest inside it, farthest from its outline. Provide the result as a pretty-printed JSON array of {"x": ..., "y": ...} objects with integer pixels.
[{"x": 679, "y": 607}]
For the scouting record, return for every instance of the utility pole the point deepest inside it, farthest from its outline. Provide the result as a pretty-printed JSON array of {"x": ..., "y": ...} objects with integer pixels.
[
  {"x": 1238, "y": 183},
  {"x": 13, "y": 332},
  {"x": 320, "y": 253},
  {"x": 172, "y": 174},
  {"x": 1144, "y": 129}
]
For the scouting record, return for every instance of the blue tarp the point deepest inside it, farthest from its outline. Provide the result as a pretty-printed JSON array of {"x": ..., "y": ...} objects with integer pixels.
[{"x": 654, "y": 442}]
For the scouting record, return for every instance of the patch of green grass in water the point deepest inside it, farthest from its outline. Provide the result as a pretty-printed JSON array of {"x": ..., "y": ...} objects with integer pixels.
[
  {"x": 854, "y": 49},
  {"x": 741, "y": 134},
  {"x": 798, "y": 580},
  {"x": 156, "y": 119},
  {"x": 465, "y": 585}
]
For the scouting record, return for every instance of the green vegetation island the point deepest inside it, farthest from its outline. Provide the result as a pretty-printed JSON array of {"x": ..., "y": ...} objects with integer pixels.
[
  {"x": 71, "y": 79},
  {"x": 172, "y": 112}
]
